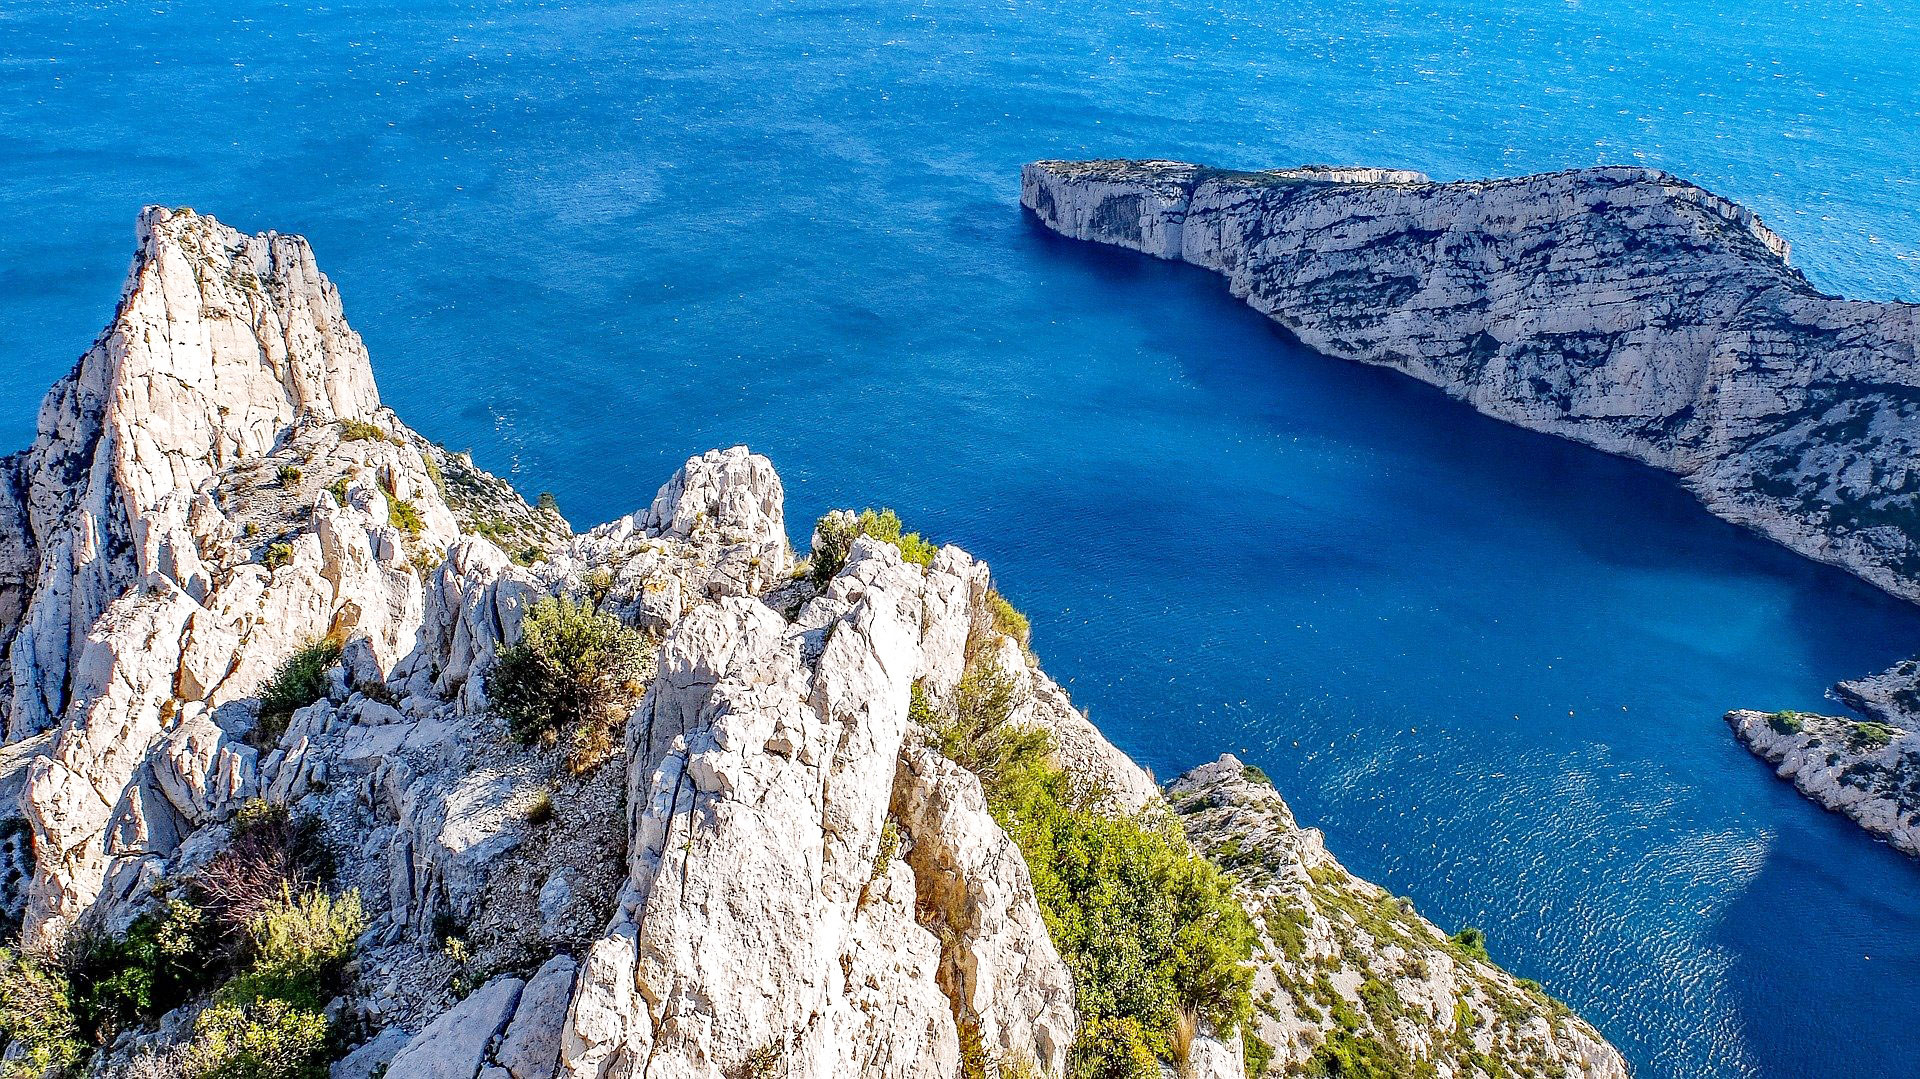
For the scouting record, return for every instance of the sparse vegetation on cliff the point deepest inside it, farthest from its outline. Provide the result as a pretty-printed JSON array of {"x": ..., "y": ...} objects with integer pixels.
[
  {"x": 254, "y": 934},
  {"x": 833, "y": 537},
  {"x": 574, "y": 674},
  {"x": 361, "y": 431},
  {"x": 1156, "y": 940}
]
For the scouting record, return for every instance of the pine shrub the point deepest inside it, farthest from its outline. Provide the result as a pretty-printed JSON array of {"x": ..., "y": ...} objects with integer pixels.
[{"x": 833, "y": 537}]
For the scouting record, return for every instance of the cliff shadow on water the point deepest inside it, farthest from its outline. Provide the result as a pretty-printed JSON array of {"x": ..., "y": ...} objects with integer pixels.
[{"x": 1389, "y": 452}]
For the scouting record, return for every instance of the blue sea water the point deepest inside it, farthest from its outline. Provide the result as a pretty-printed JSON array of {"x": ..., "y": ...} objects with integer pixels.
[{"x": 588, "y": 239}]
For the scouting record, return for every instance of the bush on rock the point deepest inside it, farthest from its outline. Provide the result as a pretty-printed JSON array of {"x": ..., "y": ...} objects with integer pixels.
[
  {"x": 41, "y": 1036},
  {"x": 833, "y": 537},
  {"x": 1156, "y": 939},
  {"x": 574, "y": 674},
  {"x": 300, "y": 680}
]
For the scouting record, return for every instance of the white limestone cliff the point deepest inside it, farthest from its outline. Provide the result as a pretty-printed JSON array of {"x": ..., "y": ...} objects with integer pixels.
[
  {"x": 1619, "y": 307},
  {"x": 774, "y": 868}
]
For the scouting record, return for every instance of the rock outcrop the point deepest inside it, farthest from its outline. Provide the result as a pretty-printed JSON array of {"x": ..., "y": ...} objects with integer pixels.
[
  {"x": 1619, "y": 307},
  {"x": 773, "y": 873},
  {"x": 1866, "y": 769},
  {"x": 1348, "y": 973}
]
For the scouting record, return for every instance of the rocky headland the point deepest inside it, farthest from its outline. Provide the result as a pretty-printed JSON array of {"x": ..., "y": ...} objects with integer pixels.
[
  {"x": 1619, "y": 307},
  {"x": 333, "y": 755}
]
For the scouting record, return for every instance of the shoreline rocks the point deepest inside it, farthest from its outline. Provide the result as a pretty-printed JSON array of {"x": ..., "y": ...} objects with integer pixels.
[{"x": 1863, "y": 769}]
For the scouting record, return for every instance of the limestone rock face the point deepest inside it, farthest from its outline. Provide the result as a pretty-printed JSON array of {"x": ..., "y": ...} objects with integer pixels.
[
  {"x": 221, "y": 341},
  {"x": 1620, "y": 307},
  {"x": 998, "y": 964},
  {"x": 773, "y": 870},
  {"x": 455, "y": 1045},
  {"x": 1333, "y": 941},
  {"x": 1865, "y": 769},
  {"x": 761, "y": 913}
]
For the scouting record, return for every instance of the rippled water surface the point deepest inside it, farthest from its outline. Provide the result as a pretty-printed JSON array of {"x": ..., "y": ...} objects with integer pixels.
[{"x": 589, "y": 239}]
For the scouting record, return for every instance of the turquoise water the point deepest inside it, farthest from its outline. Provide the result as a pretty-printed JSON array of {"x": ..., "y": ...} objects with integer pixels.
[{"x": 589, "y": 239}]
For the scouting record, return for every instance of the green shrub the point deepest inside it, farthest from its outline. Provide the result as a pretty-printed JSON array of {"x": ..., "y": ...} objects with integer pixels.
[
  {"x": 267, "y": 1023},
  {"x": 1110, "y": 1048},
  {"x": 277, "y": 555},
  {"x": 1252, "y": 773},
  {"x": 361, "y": 431},
  {"x": 299, "y": 945},
  {"x": 1867, "y": 735},
  {"x": 977, "y": 735},
  {"x": 1472, "y": 943},
  {"x": 438, "y": 477},
  {"x": 406, "y": 516},
  {"x": 289, "y": 475},
  {"x": 574, "y": 674},
  {"x": 37, "y": 1020},
  {"x": 763, "y": 1062},
  {"x": 1785, "y": 722},
  {"x": 834, "y": 535},
  {"x": 267, "y": 1039},
  {"x": 1356, "y": 1056},
  {"x": 1008, "y": 619},
  {"x": 300, "y": 680},
  {"x": 338, "y": 489},
  {"x": 167, "y": 955},
  {"x": 1151, "y": 930},
  {"x": 889, "y": 847},
  {"x": 1257, "y": 1053}
]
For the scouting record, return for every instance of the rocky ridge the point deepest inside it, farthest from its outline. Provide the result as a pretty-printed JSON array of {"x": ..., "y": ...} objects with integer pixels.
[
  {"x": 774, "y": 874},
  {"x": 1619, "y": 307},
  {"x": 1350, "y": 972}
]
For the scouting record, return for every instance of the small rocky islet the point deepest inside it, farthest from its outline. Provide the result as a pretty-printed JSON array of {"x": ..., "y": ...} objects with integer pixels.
[
  {"x": 1623, "y": 308},
  {"x": 333, "y": 755}
]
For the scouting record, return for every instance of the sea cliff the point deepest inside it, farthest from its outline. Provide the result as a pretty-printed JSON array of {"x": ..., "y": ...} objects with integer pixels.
[
  {"x": 1619, "y": 307},
  {"x": 295, "y": 785}
]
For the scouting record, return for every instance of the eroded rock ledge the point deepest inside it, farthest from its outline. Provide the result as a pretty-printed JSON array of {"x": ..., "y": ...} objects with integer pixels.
[{"x": 774, "y": 874}]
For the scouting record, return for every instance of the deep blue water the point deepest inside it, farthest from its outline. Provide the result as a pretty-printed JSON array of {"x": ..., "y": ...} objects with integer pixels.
[{"x": 588, "y": 239}]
